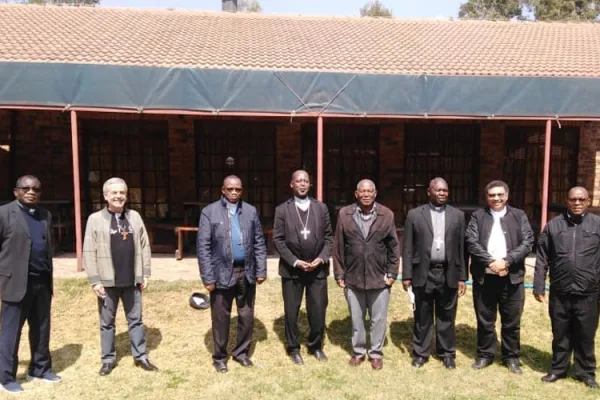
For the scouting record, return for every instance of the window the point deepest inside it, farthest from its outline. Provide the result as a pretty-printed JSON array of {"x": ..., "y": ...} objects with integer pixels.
[
  {"x": 450, "y": 151},
  {"x": 351, "y": 153},
  {"x": 524, "y": 166},
  {"x": 138, "y": 152},
  {"x": 242, "y": 148}
]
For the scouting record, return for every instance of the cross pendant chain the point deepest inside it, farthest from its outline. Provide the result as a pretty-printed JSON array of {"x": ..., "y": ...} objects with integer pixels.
[
  {"x": 124, "y": 234},
  {"x": 304, "y": 232}
]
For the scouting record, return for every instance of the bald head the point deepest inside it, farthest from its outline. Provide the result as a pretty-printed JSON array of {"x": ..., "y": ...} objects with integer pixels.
[
  {"x": 300, "y": 183},
  {"x": 438, "y": 191},
  {"x": 578, "y": 200},
  {"x": 232, "y": 189}
]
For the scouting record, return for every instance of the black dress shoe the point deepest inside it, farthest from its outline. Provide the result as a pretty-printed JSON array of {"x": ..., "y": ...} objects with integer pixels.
[
  {"x": 418, "y": 362},
  {"x": 146, "y": 365},
  {"x": 296, "y": 358},
  {"x": 319, "y": 355},
  {"x": 220, "y": 366},
  {"x": 244, "y": 362},
  {"x": 106, "y": 369},
  {"x": 550, "y": 378},
  {"x": 589, "y": 382},
  {"x": 481, "y": 363},
  {"x": 513, "y": 365},
  {"x": 449, "y": 363}
]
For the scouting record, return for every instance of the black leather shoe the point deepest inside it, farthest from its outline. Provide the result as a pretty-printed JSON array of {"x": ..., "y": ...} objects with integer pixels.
[
  {"x": 106, "y": 369},
  {"x": 244, "y": 362},
  {"x": 319, "y": 355},
  {"x": 589, "y": 382},
  {"x": 418, "y": 362},
  {"x": 513, "y": 365},
  {"x": 220, "y": 366},
  {"x": 481, "y": 363},
  {"x": 146, "y": 365},
  {"x": 296, "y": 358},
  {"x": 550, "y": 378},
  {"x": 449, "y": 363}
]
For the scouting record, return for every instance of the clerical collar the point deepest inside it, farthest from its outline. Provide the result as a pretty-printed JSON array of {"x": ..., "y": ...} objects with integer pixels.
[
  {"x": 118, "y": 215},
  {"x": 302, "y": 203},
  {"x": 232, "y": 207},
  {"x": 30, "y": 210},
  {"x": 575, "y": 219},
  {"x": 498, "y": 214},
  {"x": 437, "y": 208}
]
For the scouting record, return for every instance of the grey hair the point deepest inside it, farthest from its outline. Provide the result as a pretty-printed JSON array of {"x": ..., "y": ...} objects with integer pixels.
[
  {"x": 365, "y": 181},
  {"x": 113, "y": 181},
  {"x": 495, "y": 184}
]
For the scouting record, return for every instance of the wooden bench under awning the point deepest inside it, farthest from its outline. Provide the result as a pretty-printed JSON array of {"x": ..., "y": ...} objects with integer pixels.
[{"x": 180, "y": 230}]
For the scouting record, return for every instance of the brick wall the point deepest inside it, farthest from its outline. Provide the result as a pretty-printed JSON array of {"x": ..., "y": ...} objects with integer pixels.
[
  {"x": 491, "y": 154},
  {"x": 5, "y": 185},
  {"x": 589, "y": 160},
  {"x": 289, "y": 158},
  {"x": 391, "y": 168},
  {"x": 182, "y": 163}
]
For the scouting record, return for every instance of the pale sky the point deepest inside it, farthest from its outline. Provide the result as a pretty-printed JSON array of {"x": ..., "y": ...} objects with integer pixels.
[{"x": 409, "y": 9}]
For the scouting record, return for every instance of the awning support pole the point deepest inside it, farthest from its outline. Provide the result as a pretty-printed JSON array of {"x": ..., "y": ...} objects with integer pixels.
[
  {"x": 76, "y": 191},
  {"x": 547, "y": 148},
  {"x": 320, "y": 158}
]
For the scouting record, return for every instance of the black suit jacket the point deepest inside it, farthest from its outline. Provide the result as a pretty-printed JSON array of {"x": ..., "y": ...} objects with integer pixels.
[
  {"x": 416, "y": 248},
  {"x": 286, "y": 238},
  {"x": 15, "y": 247},
  {"x": 519, "y": 241}
]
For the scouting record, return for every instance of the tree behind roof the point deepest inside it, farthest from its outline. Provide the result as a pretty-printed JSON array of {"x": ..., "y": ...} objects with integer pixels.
[{"x": 375, "y": 9}]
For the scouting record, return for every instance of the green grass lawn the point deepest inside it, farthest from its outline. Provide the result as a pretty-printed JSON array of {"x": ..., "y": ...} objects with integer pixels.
[{"x": 179, "y": 340}]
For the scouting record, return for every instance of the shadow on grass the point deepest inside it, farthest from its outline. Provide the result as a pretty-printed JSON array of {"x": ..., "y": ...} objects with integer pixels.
[
  {"x": 537, "y": 360},
  {"x": 339, "y": 333},
  {"x": 123, "y": 346},
  {"x": 279, "y": 328},
  {"x": 66, "y": 356},
  {"x": 259, "y": 334},
  {"x": 466, "y": 340},
  {"x": 401, "y": 333}
]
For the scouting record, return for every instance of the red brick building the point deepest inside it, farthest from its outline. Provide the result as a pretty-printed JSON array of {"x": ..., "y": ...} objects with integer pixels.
[{"x": 399, "y": 101}]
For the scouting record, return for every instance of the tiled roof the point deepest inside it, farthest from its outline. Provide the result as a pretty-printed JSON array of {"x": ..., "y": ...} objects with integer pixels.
[{"x": 267, "y": 42}]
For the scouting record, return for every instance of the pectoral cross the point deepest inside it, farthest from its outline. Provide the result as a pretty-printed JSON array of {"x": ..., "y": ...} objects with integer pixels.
[
  {"x": 124, "y": 235},
  {"x": 305, "y": 232},
  {"x": 438, "y": 243}
]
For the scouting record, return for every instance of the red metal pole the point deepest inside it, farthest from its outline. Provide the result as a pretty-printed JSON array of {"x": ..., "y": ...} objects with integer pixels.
[
  {"x": 76, "y": 191},
  {"x": 547, "y": 148},
  {"x": 320, "y": 158}
]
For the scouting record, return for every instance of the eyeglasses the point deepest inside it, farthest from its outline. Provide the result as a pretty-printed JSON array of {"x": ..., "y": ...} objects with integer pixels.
[
  {"x": 233, "y": 189},
  {"x": 577, "y": 200},
  {"x": 26, "y": 189},
  {"x": 500, "y": 195}
]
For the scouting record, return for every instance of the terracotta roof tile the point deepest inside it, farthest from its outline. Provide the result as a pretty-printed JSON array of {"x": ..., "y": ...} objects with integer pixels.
[{"x": 253, "y": 41}]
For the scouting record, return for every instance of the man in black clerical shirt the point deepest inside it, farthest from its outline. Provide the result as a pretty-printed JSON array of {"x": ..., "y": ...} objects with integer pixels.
[
  {"x": 25, "y": 284},
  {"x": 303, "y": 237}
]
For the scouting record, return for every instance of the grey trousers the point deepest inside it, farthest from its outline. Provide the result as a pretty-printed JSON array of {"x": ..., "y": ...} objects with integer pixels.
[
  {"x": 375, "y": 302},
  {"x": 107, "y": 307}
]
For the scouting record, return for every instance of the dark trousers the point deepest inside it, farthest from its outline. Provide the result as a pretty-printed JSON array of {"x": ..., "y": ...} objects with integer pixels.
[
  {"x": 435, "y": 297},
  {"x": 574, "y": 323},
  {"x": 221, "y": 301},
  {"x": 35, "y": 309},
  {"x": 132, "y": 304},
  {"x": 498, "y": 294},
  {"x": 316, "y": 306}
]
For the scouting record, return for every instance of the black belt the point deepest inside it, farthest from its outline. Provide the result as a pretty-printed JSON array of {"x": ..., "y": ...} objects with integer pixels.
[
  {"x": 438, "y": 265},
  {"x": 239, "y": 265}
]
